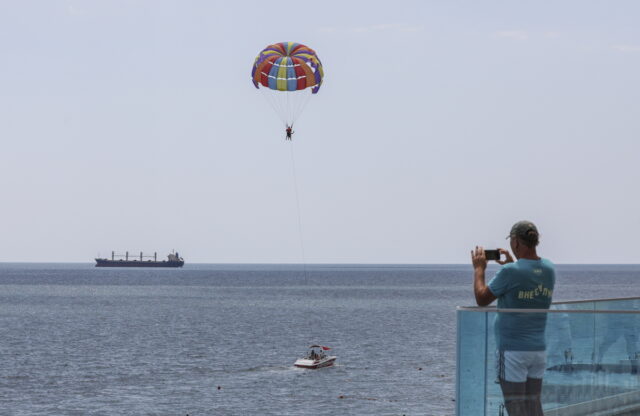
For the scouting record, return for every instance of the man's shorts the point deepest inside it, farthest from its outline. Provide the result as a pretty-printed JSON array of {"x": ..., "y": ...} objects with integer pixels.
[{"x": 517, "y": 366}]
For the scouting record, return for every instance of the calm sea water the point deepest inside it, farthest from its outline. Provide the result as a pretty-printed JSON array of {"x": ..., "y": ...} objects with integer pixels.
[{"x": 221, "y": 339}]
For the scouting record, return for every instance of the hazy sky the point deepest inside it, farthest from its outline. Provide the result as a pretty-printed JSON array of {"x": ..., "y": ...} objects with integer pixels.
[{"x": 133, "y": 125}]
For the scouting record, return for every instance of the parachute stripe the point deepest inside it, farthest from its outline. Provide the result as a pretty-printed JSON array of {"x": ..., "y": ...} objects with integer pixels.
[
  {"x": 300, "y": 75},
  {"x": 265, "y": 69},
  {"x": 310, "y": 77},
  {"x": 282, "y": 74},
  {"x": 255, "y": 75},
  {"x": 292, "y": 79},
  {"x": 318, "y": 80},
  {"x": 273, "y": 74},
  {"x": 295, "y": 50},
  {"x": 253, "y": 70}
]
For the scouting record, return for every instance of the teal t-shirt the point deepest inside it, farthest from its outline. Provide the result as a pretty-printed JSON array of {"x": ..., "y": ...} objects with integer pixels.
[{"x": 525, "y": 284}]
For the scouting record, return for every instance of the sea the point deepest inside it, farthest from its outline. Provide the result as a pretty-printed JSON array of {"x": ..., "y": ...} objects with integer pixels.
[{"x": 222, "y": 339}]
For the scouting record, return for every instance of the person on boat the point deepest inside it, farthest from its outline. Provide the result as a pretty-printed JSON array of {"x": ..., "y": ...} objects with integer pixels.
[
  {"x": 289, "y": 131},
  {"x": 527, "y": 283}
]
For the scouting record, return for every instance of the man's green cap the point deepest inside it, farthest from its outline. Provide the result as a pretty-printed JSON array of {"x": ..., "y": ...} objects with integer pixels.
[{"x": 522, "y": 230}]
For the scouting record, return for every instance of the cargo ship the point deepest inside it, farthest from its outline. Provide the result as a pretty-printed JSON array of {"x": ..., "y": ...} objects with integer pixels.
[{"x": 123, "y": 260}]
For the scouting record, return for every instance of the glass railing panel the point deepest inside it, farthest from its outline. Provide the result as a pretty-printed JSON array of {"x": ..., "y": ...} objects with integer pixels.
[
  {"x": 574, "y": 306},
  {"x": 592, "y": 360},
  {"x": 471, "y": 362},
  {"x": 599, "y": 369}
]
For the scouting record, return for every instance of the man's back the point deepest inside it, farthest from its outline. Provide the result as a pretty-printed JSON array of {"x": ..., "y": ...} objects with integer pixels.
[{"x": 524, "y": 284}]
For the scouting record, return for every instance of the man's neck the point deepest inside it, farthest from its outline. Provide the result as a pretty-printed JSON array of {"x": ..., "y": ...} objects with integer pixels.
[{"x": 529, "y": 255}]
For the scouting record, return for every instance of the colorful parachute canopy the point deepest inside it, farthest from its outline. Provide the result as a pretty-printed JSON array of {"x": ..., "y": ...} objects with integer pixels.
[{"x": 288, "y": 66}]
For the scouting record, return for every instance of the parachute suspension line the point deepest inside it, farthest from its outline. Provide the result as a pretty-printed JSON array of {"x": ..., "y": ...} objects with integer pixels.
[
  {"x": 290, "y": 108},
  {"x": 274, "y": 103},
  {"x": 300, "y": 104},
  {"x": 288, "y": 105},
  {"x": 290, "y": 115},
  {"x": 295, "y": 187}
]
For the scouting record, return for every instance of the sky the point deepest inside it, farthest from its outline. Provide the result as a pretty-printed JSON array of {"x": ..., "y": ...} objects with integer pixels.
[{"x": 134, "y": 125}]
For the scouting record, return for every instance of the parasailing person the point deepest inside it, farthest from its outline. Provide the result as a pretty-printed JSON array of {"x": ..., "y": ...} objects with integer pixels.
[{"x": 288, "y": 74}]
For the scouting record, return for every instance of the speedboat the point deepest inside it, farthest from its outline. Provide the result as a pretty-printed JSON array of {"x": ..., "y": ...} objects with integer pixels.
[{"x": 316, "y": 358}]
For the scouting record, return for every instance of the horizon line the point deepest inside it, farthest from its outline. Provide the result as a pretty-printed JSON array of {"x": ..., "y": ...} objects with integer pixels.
[{"x": 330, "y": 263}]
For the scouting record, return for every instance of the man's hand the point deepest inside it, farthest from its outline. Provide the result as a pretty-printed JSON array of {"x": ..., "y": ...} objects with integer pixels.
[
  {"x": 508, "y": 258},
  {"x": 478, "y": 258},
  {"x": 483, "y": 294}
]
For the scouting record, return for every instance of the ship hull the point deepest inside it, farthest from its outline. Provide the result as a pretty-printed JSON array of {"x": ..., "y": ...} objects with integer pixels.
[{"x": 137, "y": 263}]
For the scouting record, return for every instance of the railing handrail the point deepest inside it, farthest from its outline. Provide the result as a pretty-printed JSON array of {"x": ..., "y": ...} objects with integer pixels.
[
  {"x": 505, "y": 310},
  {"x": 493, "y": 308},
  {"x": 593, "y": 300}
]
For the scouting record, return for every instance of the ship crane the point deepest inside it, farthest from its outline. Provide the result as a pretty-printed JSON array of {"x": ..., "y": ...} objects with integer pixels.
[{"x": 126, "y": 256}]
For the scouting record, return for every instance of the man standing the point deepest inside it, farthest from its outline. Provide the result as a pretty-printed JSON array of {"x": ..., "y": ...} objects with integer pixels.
[{"x": 525, "y": 284}]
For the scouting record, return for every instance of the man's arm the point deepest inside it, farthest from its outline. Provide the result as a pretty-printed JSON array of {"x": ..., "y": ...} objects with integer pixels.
[{"x": 484, "y": 296}]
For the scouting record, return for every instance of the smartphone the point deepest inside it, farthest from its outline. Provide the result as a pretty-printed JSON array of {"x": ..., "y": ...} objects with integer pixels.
[{"x": 492, "y": 254}]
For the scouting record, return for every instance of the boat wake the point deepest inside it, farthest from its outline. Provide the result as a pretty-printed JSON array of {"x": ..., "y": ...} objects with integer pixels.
[{"x": 265, "y": 368}]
